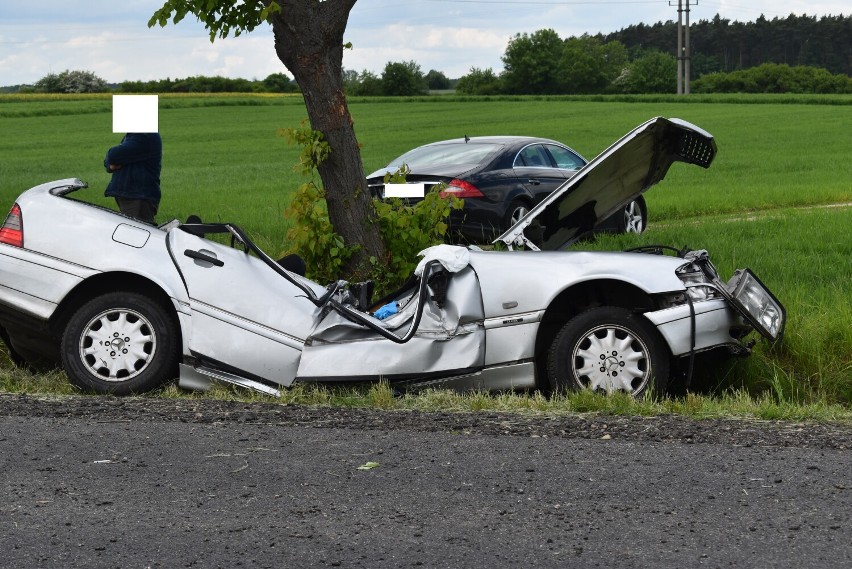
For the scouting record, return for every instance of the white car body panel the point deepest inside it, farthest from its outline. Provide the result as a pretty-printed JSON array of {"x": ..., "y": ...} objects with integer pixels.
[
  {"x": 87, "y": 239},
  {"x": 506, "y": 276},
  {"x": 713, "y": 322},
  {"x": 40, "y": 282}
]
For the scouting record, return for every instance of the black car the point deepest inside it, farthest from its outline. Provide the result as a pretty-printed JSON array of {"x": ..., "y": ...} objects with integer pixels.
[{"x": 500, "y": 179}]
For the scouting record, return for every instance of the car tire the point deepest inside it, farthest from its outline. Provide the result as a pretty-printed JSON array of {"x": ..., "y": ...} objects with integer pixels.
[
  {"x": 27, "y": 357},
  {"x": 634, "y": 217},
  {"x": 610, "y": 349},
  {"x": 516, "y": 210},
  {"x": 120, "y": 343},
  {"x": 17, "y": 359}
]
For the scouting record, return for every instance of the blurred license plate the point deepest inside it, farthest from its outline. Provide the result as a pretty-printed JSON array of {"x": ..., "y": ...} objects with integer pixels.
[{"x": 405, "y": 190}]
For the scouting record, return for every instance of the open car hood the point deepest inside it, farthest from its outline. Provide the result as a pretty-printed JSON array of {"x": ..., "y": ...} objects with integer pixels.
[{"x": 613, "y": 179}]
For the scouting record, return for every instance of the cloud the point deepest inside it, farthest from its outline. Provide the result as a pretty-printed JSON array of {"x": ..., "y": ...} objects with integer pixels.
[{"x": 450, "y": 50}]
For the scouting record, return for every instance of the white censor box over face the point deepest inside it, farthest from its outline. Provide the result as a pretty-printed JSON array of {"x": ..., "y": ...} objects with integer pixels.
[
  {"x": 134, "y": 113},
  {"x": 405, "y": 190}
]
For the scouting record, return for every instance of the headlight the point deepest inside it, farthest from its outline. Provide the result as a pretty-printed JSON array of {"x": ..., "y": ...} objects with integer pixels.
[{"x": 757, "y": 304}]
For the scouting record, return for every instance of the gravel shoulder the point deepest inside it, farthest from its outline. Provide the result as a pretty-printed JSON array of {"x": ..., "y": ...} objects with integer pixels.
[{"x": 663, "y": 428}]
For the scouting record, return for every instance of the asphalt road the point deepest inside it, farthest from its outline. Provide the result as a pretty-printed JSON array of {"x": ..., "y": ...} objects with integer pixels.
[{"x": 99, "y": 482}]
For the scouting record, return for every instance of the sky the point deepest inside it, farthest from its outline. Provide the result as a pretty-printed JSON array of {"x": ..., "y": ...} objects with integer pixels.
[{"x": 111, "y": 37}]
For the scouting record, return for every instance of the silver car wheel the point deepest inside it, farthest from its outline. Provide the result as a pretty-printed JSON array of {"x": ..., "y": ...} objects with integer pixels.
[
  {"x": 633, "y": 219},
  {"x": 117, "y": 344},
  {"x": 611, "y": 358},
  {"x": 517, "y": 213},
  {"x": 609, "y": 348},
  {"x": 121, "y": 342}
]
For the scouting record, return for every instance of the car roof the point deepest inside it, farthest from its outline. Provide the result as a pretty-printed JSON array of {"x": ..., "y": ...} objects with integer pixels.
[
  {"x": 495, "y": 140},
  {"x": 503, "y": 144}
]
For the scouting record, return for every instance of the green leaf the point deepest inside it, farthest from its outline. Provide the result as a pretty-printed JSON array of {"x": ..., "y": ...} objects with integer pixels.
[{"x": 368, "y": 466}]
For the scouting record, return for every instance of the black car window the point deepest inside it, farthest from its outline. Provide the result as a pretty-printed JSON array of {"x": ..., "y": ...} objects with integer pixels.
[
  {"x": 534, "y": 156},
  {"x": 564, "y": 158},
  {"x": 446, "y": 154}
]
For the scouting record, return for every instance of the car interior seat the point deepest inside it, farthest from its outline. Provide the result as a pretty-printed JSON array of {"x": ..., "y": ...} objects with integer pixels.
[{"x": 293, "y": 263}]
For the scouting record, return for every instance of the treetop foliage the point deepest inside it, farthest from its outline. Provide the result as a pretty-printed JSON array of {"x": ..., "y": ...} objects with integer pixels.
[{"x": 220, "y": 17}]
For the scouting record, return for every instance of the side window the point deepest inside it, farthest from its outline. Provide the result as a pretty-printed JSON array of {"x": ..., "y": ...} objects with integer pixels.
[
  {"x": 533, "y": 156},
  {"x": 564, "y": 158}
]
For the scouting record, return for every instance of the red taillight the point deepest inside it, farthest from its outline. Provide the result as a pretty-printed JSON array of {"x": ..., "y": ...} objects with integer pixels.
[
  {"x": 461, "y": 189},
  {"x": 12, "y": 232}
]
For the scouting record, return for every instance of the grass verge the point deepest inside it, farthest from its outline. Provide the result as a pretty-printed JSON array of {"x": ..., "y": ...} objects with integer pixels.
[{"x": 731, "y": 404}]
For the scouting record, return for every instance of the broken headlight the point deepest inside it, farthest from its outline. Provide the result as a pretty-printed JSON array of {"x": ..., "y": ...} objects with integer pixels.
[{"x": 759, "y": 306}]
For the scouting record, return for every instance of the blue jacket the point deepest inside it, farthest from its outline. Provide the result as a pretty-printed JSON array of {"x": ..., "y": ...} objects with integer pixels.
[{"x": 140, "y": 156}]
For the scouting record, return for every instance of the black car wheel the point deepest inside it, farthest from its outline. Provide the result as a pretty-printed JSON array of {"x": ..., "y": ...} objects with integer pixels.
[
  {"x": 517, "y": 209},
  {"x": 120, "y": 343},
  {"x": 634, "y": 217},
  {"x": 608, "y": 349}
]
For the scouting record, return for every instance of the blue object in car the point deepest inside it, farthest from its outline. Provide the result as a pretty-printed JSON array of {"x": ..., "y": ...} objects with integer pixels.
[{"x": 388, "y": 309}]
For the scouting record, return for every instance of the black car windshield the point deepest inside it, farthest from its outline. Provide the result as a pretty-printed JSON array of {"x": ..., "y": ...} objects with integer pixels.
[{"x": 451, "y": 154}]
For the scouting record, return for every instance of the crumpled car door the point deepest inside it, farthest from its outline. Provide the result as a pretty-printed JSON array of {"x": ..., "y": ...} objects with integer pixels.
[{"x": 450, "y": 340}]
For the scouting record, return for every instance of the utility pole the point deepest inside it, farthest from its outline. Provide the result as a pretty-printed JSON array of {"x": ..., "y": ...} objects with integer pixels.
[
  {"x": 679, "y": 46},
  {"x": 683, "y": 45},
  {"x": 686, "y": 52}
]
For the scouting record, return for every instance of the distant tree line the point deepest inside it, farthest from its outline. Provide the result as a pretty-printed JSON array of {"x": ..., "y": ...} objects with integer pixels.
[
  {"x": 774, "y": 78},
  {"x": 796, "y": 54},
  {"x": 274, "y": 83},
  {"x": 720, "y": 45},
  {"x": 543, "y": 63},
  {"x": 399, "y": 78},
  {"x": 87, "y": 82}
]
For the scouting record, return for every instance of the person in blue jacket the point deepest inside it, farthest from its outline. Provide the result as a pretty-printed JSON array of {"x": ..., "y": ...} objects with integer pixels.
[{"x": 135, "y": 166}]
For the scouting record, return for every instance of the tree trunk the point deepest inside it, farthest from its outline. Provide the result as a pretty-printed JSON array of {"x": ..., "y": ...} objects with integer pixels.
[{"x": 309, "y": 41}]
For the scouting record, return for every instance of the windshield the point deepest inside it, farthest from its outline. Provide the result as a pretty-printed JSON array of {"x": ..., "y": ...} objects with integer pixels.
[{"x": 451, "y": 154}]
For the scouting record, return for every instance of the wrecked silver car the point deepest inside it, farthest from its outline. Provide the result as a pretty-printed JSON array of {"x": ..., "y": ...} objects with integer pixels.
[{"x": 124, "y": 306}]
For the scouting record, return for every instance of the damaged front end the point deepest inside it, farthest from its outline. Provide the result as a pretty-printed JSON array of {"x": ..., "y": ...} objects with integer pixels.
[
  {"x": 711, "y": 313},
  {"x": 744, "y": 292},
  {"x": 708, "y": 312}
]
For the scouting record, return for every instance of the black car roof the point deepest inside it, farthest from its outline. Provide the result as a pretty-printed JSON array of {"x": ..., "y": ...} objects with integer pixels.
[{"x": 495, "y": 140}]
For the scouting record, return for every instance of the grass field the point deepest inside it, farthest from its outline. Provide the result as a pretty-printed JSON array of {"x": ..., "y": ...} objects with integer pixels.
[
  {"x": 220, "y": 148},
  {"x": 762, "y": 204}
]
